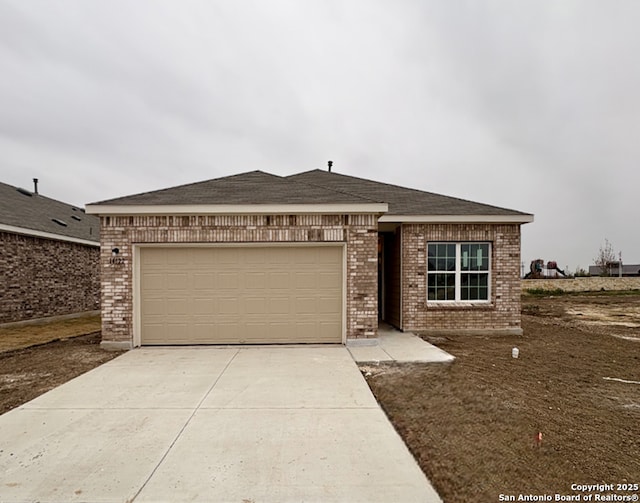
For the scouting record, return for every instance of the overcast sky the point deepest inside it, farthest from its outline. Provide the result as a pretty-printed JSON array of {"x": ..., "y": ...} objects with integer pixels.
[{"x": 531, "y": 105}]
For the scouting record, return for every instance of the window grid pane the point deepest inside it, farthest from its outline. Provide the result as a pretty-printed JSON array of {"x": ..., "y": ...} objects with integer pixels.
[
  {"x": 441, "y": 257},
  {"x": 474, "y": 286},
  {"x": 475, "y": 256},
  {"x": 441, "y": 286}
]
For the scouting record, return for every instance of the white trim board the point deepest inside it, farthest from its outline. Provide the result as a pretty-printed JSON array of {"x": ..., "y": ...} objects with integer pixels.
[
  {"x": 47, "y": 235},
  {"x": 235, "y": 209},
  {"x": 458, "y": 219}
]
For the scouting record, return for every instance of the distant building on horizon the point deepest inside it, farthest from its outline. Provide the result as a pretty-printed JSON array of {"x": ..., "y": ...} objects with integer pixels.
[{"x": 627, "y": 270}]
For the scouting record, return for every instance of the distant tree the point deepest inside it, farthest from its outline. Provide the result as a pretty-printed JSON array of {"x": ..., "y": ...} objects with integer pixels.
[
  {"x": 581, "y": 273},
  {"x": 605, "y": 257}
]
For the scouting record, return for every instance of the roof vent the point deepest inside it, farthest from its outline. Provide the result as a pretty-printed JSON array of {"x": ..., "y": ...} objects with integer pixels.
[
  {"x": 76, "y": 218},
  {"x": 330, "y": 164},
  {"x": 35, "y": 185},
  {"x": 74, "y": 208},
  {"x": 59, "y": 222},
  {"x": 24, "y": 192}
]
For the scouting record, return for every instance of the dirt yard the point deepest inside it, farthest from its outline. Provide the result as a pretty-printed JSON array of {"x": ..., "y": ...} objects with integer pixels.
[
  {"x": 28, "y": 372},
  {"x": 472, "y": 425}
]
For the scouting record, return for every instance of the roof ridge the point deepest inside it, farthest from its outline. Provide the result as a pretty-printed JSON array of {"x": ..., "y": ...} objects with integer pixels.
[{"x": 347, "y": 193}]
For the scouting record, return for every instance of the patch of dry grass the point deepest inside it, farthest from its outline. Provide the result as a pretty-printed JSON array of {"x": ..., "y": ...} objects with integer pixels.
[{"x": 24, "y": 336}]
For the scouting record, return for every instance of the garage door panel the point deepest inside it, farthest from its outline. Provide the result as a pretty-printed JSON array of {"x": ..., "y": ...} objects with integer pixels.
[
  {"x": 255, "y": 305},
  {"x": 228, "y": 305},
  {"x": 278, "y": 256},
  {"x": 177, "y": 256},
  {"x": 328, "y": 328},
  {"x": 156, "y": 333},
  {"x": 329, "y": 305},
  {"x": 256, "y": 280},
  {"x": 329, "y": 280},
  {"x": 305, "y": 279},
  {"x": 178, "y": 306},
  {"x": 231, "y": 295},
  {"x": 279, "y": 281},
  {"x": 204, "y": 280},
  {"x": 279, "y": 305},
  {"x": 227, "y": 333},
  {"x": 227, "y": 280},
  {"x": 227, "y": 256},
  {"x": 177, "y": 281},
  {"x": 305, "y": 305},
  {"x": 203, "y": 306},
  {"x": 155, "y": 257},
  {"x": 254, "y": 255},
  {"x": 332, "y": 258},
  {"x": 152, "y": 307},
  {"x": 154, "y": 281}
]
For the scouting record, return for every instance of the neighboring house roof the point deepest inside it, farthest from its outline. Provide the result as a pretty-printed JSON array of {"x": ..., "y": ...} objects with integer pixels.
[
  {"x": 312, "y": 188},
  {"x": 24, "y": 212}
]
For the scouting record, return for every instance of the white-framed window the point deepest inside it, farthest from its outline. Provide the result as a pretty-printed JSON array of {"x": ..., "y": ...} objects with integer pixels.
[{"x": 458, "y": 272}]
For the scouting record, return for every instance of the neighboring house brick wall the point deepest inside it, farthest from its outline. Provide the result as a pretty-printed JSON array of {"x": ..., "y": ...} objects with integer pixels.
[
  {"x": 503, "y": 312},
  {"x": 44, "y": 277},
  {"x": 359, "y": 232}
]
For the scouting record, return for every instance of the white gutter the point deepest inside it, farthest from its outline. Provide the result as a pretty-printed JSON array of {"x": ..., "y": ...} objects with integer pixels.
[
  {"x": 234, "y": 209},
  {"x": 458, "y": 219},
  {"x": 47, "y": 235}
]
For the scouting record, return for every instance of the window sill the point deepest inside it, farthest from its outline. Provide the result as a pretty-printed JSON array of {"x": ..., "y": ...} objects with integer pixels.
[{"x": 448, "y": 304}]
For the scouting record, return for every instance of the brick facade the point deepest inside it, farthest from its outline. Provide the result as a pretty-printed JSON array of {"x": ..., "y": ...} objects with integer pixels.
[
  {"x": 44, "y": 277},
  {"x": 359, "y": 232},
  {"x": 500, "y": 315}
]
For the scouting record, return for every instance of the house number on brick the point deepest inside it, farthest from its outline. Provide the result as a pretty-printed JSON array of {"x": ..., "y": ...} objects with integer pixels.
[{"x": 116, "y": 260}]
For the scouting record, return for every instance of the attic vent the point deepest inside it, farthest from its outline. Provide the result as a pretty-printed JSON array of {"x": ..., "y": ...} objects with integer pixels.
[
  {"x": 24, "y": 192},
  {"x": 59, "y": 222},
  {"x": 76, "y": 217}
]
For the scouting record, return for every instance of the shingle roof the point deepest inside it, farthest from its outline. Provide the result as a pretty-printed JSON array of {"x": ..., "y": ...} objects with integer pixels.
[
  {"x": 401, "y": 200},
  {"x": 311, "y": 187},
  {"x": 254, "y": 187},
  {"x": 26, "y": 210}
]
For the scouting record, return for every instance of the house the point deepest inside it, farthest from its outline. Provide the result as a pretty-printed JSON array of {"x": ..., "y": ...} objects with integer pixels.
[
  {"x": 49, "y": 257},
  {"x": 315, "y": 257}
]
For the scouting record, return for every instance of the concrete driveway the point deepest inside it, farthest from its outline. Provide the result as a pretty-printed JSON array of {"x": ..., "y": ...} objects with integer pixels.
[{"x": 263, "y": 424}]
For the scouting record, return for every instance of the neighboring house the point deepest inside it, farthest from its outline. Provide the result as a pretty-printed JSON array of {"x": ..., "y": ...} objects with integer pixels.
[
  {"x": 614, "y": 270},
  {"x": 314, "y": 257},
  {"x": 49, "y": 257}
]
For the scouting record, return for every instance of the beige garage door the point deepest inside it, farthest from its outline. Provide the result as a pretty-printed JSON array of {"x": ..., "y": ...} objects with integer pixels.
[{"x": 248, "y": 295}]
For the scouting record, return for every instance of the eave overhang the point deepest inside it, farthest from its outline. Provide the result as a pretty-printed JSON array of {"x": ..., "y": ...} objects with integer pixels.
[
  {"x": 46, "y": 235},
  {"x": 458, "y": 219},
  {"x": 236, "y": 209}
]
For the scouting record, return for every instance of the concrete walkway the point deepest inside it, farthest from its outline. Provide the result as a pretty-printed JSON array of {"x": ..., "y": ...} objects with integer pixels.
[
  {"x": 396, "y": 346},
  {"x": 269, "y": 424}
]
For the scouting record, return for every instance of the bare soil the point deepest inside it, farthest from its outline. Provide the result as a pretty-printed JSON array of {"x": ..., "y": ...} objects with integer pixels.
[
  {"x": 472, "y": 425},
  {"x": 29, "y": 372}
]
